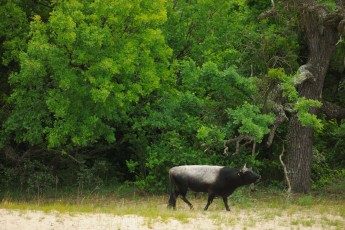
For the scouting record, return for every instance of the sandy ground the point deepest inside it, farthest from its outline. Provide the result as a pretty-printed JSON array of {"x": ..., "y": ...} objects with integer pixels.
[{"x": 37, "y": 220}]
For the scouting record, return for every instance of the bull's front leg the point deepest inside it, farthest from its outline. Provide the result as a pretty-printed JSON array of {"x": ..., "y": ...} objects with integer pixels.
[{"x": 225, "y": 200}]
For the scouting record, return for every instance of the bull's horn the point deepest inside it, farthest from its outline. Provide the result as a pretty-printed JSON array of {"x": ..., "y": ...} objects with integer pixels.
[{"x": 245, "y": 166}]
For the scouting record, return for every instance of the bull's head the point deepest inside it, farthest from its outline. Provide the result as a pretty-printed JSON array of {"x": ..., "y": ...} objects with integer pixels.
[{"x": 248, "y": 174}]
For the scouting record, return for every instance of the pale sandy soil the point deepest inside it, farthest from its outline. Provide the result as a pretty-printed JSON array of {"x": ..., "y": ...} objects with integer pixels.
[{"x": 238, "y": 219}]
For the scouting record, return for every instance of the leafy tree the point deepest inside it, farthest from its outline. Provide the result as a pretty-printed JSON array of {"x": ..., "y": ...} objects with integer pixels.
[
  {"x": 320, "y": 25},
  {"x": 11, "y": 42},
  {"x": 84, "y": 70},
  {"x": 14, "y": 34},
  {"x": 321, "y": 45}
]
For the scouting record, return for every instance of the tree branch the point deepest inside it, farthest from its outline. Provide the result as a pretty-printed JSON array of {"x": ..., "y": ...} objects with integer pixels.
[
  {"x": 273, "y": 5},
  {"x": 238, "y": 139},
  {"x": 303, "y": 75},
  {"x": 281, "y": 118},
  {"x": 268, "y": 13},
  {"x": 332, "y": 110},
  {"x": 285, "y": 171}
]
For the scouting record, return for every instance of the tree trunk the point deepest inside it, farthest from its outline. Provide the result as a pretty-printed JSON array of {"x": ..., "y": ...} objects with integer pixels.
[
  {"x": 321, "y": 40},
  {"x": 299, "y": 155}
]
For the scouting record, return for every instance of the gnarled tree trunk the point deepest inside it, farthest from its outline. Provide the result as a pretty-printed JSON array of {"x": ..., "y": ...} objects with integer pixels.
[{"x": 322, "y": 36}]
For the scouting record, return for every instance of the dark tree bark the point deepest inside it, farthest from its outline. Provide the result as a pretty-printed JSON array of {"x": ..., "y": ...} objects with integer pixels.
[
  {"x": 332, "y": 111},
  {"x": 320, "y": 28},
  {"x": 299, "y": 155}
]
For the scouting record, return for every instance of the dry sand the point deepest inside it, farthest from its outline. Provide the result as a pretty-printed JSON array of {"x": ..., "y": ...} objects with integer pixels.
[{"x": 37, "y": 220}]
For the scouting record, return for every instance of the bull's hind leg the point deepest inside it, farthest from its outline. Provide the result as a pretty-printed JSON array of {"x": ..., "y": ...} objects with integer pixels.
[
  {"x": 209, "y": 201},
  {"x": 172, "y": 200},
  {"x": 183, "y": 194}
]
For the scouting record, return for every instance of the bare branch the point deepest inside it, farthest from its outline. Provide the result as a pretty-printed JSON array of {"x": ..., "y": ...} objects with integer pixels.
[
  {"x": 226, "y": 149},
  {"x": 281, "y": 118},
  {"x": 285, "y": 171},
  {"x": 253, "y": 149},
  {"x": 238, "y": 140},
  {"x": 273, "y": 5},
  {"x": 237, "y": 147},
  {"x": 73, "y": 158}
]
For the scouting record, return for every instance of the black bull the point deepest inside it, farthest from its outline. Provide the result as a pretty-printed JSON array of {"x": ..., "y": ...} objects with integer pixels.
[{"x": 215, "y": 180}]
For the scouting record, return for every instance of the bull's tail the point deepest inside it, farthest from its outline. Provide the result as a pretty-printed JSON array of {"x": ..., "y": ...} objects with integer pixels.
[{"x": 172, "y": 199}]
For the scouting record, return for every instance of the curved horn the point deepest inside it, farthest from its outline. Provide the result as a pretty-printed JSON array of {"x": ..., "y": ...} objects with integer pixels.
[{"x": 245, "y": 166}]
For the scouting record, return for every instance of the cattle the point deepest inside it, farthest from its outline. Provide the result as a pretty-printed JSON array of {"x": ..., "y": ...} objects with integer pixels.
[{"x": 217, "y": 181}]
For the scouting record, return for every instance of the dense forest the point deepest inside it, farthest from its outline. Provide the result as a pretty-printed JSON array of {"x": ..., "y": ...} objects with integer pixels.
[{"x": 98, "y": 93}]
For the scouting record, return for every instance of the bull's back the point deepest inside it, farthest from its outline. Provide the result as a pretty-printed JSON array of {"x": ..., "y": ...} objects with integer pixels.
[{"x": 198, "y": 178}]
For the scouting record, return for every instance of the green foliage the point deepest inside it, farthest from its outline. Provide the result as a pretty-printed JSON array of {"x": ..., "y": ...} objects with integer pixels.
[
  {"x": 328, "y": 158},
  {"x": 205, "y": 30},
  {"x": 162, "y": 156},
  {"x": 14, "y": 28},
  {"x": 328, "y": 179},
  {"x": 277, "y": 74},
  {"x": 90, "y": 178},
  {"x": 303, "y": 107},
  {"x": 85, "y": 69},
  {"x": 250, "y": 121},
  {"x": 35, "y": 175},
  {"x": 176, "y": 118},
  {"x": 31, "y": 176},
  {"x": 337, "y": 145},
  {"x": 40, "y": 175},
  {"x": 210, "y": 135},
  {"x": 286, "y": 83}
]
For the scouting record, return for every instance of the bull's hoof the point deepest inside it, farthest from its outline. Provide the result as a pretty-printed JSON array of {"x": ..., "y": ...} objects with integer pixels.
[
  {"x": 170, "y": 206},
  {"x": 191, "y": 207}
]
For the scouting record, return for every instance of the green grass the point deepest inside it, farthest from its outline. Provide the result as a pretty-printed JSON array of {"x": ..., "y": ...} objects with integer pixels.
[
  {"x": 250, "y": 209},
  {"x": 146, "y": 206}
]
